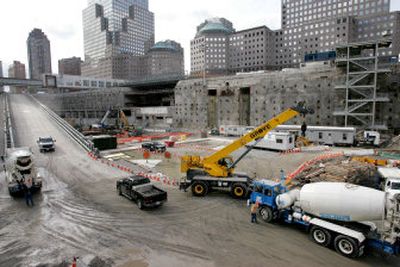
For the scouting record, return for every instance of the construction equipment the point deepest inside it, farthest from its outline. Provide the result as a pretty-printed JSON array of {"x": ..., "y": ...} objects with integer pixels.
[
  {"x": 128, "y": 130},
  {"x": 339, "y": 214},
  {"x": 20, "y": 167},
  {"x": 302, "y": 141},
  {"x": 217, "y": 171},
  {"x": 371, "y": 160}
]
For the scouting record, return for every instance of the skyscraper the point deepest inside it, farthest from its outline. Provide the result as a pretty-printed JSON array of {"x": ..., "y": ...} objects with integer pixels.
[
  {"x": 316, "y": 26},
  {"x": 116, "y": 34},
  {"x": 1, "y": 75},
  {"x": 39, "y": 56}
]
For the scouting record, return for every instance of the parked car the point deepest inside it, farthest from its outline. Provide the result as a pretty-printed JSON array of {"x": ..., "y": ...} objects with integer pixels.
[
  {"x": 142, "y": 191},
  {"x": 46, "y": 144},
  {"x": 155, "y": 146}
]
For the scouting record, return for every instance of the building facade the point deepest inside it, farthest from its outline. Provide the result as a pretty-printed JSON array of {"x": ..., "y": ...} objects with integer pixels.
[
  {"x": 17, "y": 70},
  {"x": 116, "y": 35},
  {"x": 39, "y": 55},
  {"x": 1, "y": 75},
  {"x": 317, "y": 26},
  {"x": 70, "y": 66},
  {"x": 165, "y": 59}
]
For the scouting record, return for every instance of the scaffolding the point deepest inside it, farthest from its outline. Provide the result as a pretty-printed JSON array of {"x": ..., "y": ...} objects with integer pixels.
[{"x": 362, "y": 64}]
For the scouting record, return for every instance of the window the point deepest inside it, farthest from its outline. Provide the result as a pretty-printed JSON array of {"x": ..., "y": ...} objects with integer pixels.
[
  {"x": 344, "y": 136},
  {"x": 320, "y": 135},
  {"x": 279, "y": 141}
]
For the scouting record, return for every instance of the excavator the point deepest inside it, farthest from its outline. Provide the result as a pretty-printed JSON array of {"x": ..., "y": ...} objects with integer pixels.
[{"x": 216, "y": 171}]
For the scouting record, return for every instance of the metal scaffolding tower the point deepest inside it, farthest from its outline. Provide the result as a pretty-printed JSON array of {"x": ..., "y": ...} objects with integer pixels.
[{"x": 362, "y": 64}]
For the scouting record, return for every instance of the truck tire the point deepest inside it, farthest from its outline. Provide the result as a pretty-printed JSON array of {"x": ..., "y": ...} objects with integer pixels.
[
  {"x": 239, "y": 190},
  {"x": 266, "y": 214},
  {"x": 320, "y": 236},
  {"x": 140, "y": 204},
  {"x": 347, "y": 246},
  {"x": 119, "y": 190},
  {"x": 199, "y": 188}
]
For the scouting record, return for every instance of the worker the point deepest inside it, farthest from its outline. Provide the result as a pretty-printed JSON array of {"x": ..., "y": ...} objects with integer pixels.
[
  {"x": 28, "y": 192},
  {"x": 303, "y": 129},
  {"x": 253, "y": 211}
]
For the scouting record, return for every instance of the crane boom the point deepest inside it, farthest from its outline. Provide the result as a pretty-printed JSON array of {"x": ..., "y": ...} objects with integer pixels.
[{"x": 214, "y": 165}]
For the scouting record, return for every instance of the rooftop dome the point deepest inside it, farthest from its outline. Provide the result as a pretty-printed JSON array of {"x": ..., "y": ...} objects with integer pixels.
[
  {"x": 165, "y": 45},
  {"x": 214, "y": 25}
]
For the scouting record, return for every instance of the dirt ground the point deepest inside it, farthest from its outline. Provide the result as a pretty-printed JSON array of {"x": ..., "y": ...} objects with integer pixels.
[{"x": 80, "y": 214}]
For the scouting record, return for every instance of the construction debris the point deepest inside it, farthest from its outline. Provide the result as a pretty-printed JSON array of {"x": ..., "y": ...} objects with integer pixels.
[{"x": 338, "y": 170}]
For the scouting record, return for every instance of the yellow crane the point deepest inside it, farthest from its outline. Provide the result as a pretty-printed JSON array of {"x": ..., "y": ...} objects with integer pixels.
[{"x": 217, "y": 170}]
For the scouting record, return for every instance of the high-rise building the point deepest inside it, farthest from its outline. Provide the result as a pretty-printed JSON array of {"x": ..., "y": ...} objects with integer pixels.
[
  {"x": 1, "y": 75},
  {"x": 39, "y": 55},
  {"x": 17, "y": 70},
  {"x": 218, "y": 49},
  {"x": 70, "y": 66},
  {"x": 318, "y": 26},
  {"x": 165, "y": 58},
  {"x": 117, "y": 33}
]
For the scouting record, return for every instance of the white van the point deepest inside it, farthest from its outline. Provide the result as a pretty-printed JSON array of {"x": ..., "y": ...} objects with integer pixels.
[{"x": 280, "y": 141}]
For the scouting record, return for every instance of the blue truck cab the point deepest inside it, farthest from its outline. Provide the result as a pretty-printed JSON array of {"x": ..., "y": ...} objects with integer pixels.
[{"x": 265, "y": 192}]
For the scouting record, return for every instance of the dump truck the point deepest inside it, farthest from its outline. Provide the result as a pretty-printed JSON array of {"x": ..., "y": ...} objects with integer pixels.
[
  {"x": 348, "y": 217},
  {"x": 19, "y": 167}
]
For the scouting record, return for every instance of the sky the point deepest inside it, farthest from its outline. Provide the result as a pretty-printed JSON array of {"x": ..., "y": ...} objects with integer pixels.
[{"x": 61, "y": 21}]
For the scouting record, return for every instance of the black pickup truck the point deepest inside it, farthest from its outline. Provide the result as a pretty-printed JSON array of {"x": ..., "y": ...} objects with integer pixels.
[{"x": 140, "y": 189}]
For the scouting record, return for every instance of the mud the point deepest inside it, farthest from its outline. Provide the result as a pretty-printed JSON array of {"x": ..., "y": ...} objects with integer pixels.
[{"x": 79, "y": 214}]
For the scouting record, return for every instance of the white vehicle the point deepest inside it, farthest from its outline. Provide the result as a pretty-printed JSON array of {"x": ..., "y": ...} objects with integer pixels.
[
  {"x": 390, "y": 179},
  {"x": 19, "y": 167},
  {"x": 372, "y": 138},
  {"x": 324, "y": 135},
  {"x": 234, "y": 130},
  {"x": 345, "y": 216},
  {"x": 280, "y": 141}
]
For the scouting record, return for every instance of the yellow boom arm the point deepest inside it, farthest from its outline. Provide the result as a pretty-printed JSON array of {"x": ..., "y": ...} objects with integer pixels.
[{"x": 212, "y": 164}]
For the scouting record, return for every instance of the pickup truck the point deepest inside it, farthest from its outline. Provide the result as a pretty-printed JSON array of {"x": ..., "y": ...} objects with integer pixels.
[
  {"x": 142, "y": 191},
  {"x": 46, "y": 144},
  {"x": 154, "y": 146}
]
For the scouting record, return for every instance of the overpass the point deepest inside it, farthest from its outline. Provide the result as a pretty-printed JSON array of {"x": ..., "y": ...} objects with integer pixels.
[{"x": 20, "y": 82}]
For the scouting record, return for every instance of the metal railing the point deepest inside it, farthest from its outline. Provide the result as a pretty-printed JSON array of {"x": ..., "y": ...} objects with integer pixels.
[
  {"x": 8, "y": 127},
  {"x": 71, "y": 131}
]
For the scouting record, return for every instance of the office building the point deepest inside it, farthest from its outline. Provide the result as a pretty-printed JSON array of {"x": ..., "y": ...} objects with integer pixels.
[
  {"x": 70, "y": 66},
  {"x": 318, "y": 26},
  {"x": 39, "y": 56},
  {"x": 165, "y": 58},
  {"x": 17, "y": 70},
  {"x": 117, "y": 34},
  {"x": 1, "y": 75}
]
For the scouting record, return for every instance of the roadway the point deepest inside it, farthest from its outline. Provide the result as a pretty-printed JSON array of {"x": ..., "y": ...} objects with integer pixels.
[{"x": 79, "y": 213}]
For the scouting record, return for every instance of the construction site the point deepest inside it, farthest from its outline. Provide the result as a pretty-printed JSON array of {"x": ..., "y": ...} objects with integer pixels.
[{"x": 298, "y": 167}]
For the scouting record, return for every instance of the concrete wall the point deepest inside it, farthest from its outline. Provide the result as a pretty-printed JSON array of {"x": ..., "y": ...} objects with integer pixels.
[{"x": 270, "y": 94}]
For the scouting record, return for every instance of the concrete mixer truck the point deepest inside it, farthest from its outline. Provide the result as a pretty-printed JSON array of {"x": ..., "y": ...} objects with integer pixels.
[{"x": 348, "y": 217}]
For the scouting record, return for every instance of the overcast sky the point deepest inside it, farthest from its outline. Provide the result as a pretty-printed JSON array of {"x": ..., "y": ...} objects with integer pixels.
[{"x": 61, "y": 20}]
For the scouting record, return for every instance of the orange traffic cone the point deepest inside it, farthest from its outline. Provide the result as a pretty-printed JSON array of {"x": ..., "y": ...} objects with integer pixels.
[{"x": 74, "y": 262}]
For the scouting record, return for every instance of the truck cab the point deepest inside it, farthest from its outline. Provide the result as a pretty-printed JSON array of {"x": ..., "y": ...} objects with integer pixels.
[
  {"x": 265, "y": 193},
  {"x": 390, "y": 179}
]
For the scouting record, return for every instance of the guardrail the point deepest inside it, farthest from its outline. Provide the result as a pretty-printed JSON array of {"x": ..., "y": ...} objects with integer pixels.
[
  {"x": 71, "y": 131},
  {"x": 8, "y": 127}
]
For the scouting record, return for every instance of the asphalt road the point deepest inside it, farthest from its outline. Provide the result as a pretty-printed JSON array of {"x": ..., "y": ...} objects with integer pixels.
[{"x": 79, "y": 213}]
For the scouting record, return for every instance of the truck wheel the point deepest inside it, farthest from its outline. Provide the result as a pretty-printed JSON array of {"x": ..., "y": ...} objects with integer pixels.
[
  {"x": 346, "y": 246},
  {"x": 199, "y": 189},
  {"x": 320, "y": 236},
  {"x": 140, "y": 204},
  {"x": 266, "y": 214},
  {"x": 238, "y": 190}
]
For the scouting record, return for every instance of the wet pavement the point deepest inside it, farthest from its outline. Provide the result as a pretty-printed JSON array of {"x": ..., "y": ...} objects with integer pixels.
[{"x": 79, "y": 213}]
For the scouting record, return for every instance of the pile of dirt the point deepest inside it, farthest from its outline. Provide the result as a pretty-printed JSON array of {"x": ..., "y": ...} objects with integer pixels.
[{"x": 338, "y": 170}]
